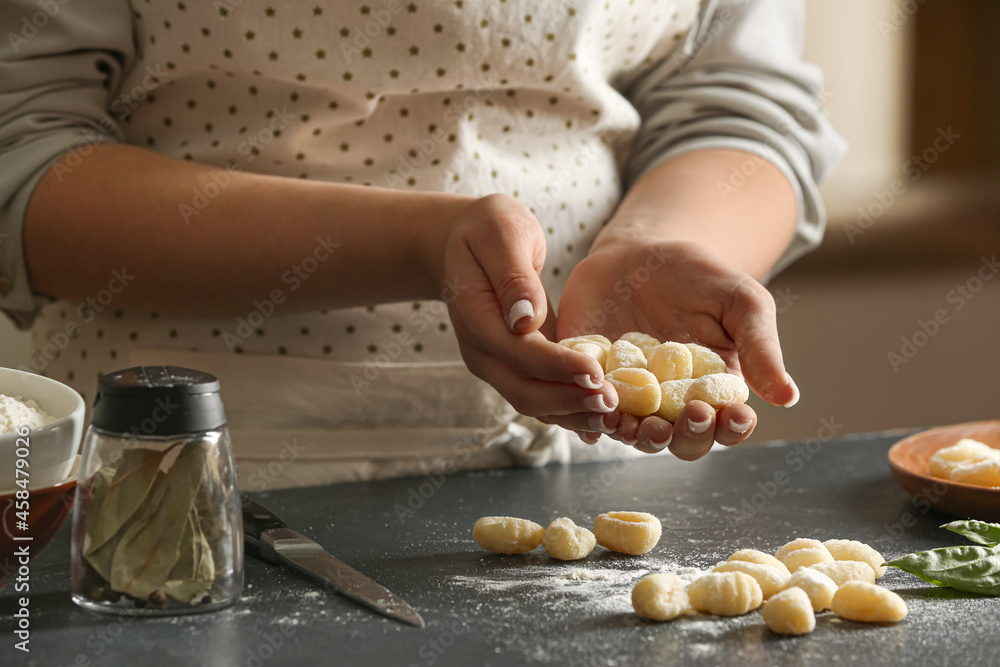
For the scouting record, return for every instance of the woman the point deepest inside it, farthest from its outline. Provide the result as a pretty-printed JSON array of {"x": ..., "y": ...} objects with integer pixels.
[{"x": 333, "y": 205}]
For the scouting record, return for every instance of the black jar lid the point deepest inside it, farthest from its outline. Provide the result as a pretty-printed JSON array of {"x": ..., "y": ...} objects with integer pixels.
[{"x": 157, "y": 401}]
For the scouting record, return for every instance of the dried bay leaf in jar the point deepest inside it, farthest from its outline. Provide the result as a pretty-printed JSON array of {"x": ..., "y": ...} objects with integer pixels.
[{"x": 157, "y": 522}]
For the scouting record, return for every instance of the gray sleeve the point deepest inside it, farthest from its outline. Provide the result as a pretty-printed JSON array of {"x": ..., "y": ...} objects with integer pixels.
[
  {"x": 60, "y": 62},
  {"x": 738, "y": 81}
]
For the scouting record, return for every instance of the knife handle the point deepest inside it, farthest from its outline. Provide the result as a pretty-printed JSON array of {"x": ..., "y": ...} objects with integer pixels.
[{"x": 258, "y": 519}]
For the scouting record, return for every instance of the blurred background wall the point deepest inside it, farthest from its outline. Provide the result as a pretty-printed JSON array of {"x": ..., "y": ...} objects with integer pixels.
[{"x": 901, "y": 74}]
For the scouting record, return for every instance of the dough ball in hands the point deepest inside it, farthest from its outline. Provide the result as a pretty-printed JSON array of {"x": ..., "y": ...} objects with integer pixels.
[
  {"x": 725, "y": 593},
  {"x": 507, "y": 534},
  {"x": 819, "y": 587},
  {"x": 803, "y": 552},
  {"x": 623, "y": 354},
  {"x": 965, "y": 451},
  {"x": 718, "y": 390},
  {"x": 638, "y": 390},
  {"x": 632, "y": 533},
  {"x": 565, "y": 540},
  {"x": 842, "y": 571},
  {"x": 672, "y": 394},
  {"x": 660, "y": 597},
  {"x": 868, "y": 603},
  {"x": 705, "y": 361},
  {"x": 789, "y": 613},
  {"x": 770, "y": 579},
  {"x": 644, "y": 342},
  {"x": 595, "y": 346},
  {"x": 670, "y": 361},
  {"x": 859, "y": 551}
]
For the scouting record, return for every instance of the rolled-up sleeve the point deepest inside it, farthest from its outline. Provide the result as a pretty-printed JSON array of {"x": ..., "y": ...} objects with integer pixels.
[
  {"x": 60, "y": 63},
  {"x": 738, "y": 82}
]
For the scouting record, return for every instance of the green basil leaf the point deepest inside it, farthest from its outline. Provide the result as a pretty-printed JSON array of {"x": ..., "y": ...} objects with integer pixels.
[
  {"x": 979, "y": 532},
  {"x": 974, "y": 569}
]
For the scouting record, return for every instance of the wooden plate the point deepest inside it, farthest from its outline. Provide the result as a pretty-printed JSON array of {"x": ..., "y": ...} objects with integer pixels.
[{"x": 908, "y": 461}]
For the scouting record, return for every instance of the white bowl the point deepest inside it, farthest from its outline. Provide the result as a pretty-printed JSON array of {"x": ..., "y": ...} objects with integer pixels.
[{"x": 52, "y": 447}]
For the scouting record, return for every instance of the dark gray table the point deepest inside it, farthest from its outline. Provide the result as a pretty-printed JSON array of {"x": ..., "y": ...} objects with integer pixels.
[{"x": 483, "y": 609}]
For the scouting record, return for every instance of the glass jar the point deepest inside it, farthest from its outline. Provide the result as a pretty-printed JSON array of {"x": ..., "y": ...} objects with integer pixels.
[{"x": 157, "y": 520}]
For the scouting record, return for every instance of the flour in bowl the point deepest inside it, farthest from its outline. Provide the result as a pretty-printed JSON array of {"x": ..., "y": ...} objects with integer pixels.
[{"x": 16, "y": 411}]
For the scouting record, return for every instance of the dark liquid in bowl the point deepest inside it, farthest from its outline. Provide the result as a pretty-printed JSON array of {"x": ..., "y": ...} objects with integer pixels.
[{"x": 49, "y": 507}]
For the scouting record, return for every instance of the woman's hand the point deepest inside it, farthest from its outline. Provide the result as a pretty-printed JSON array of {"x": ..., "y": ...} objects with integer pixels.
[
  {"x": 493, "y": 253},
  {"x": 678, "y": 291}
]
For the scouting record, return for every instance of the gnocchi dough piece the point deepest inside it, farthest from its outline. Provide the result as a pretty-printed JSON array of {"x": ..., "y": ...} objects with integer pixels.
[
  {"x": 965, "y": 451},
  {"x": 868, "y": 603},
  {"x": 718, "y": 390},
  {"x": 507, "y": 534},
  {"x": 672, "y": 394},
  {"x": 725, "y": 593},
  {"x": 595, "y": 346},
  {"x": 705, "y": 361},
  {"x": 567, "y": 541},
  {"x": 633, "y": 533},
  {"x": 819, "y": 587},
  {"x": 754, "y": 556},
  {"x": 842, "y": 571},
  {"x": 623, "y": 354},
  {"x": 770, "y": 579},
  {"x": 670, "y": 361},
  {"x": 854, "y": 550},
  {"x": 660, "y": 597},
  {"x": 644, "y": 342},
  {"x": 789, "y": 612},
  {"x": 803, "y": 552},
  {"x": 981, "y": 473},
  {"x": 638, "y": 390}
]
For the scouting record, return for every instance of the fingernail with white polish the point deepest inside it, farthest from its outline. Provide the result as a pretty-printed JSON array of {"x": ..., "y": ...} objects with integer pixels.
[
  {"x": 795, "y": 390},
  {"x": 739, "y": 428},
  {"x": 596, "y": 423},
  {"x": 700, "y": 427},
  {"x": 586, "y": 380},
  {"x": 658, "y": 446},
  {"x": 595, "y": 403},
  {"x": 630, "y": 443},
  {"x": 519, "y": 311}
]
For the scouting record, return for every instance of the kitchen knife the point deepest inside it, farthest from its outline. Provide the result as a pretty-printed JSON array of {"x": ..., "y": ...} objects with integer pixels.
[{"x": 268, "y": 537}]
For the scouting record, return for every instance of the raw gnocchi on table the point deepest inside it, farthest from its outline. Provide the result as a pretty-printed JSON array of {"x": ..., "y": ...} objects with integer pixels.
[
  {"x": 839, "y": 576},
  {"x": 507, "y": 535},
  {"x": 661, "y": 378},
  {"x": 660, "y": 597}
]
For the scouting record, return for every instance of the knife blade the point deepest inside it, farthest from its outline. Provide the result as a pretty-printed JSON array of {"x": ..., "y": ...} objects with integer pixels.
[{"x": 272, "y": 540}]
